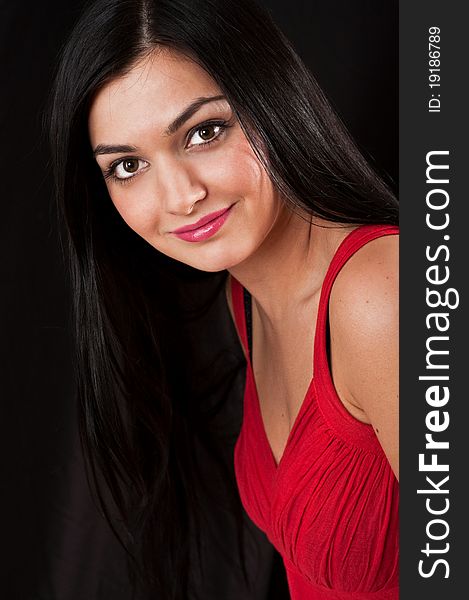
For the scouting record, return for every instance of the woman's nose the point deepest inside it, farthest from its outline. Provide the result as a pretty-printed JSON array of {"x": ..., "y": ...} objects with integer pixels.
[{"x": 180, "y": 188}]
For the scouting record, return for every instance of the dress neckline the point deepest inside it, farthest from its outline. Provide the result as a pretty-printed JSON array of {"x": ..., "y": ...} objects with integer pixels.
[
  {"x": 257, "y": 407},
  {"x": 276, "y": 465},
  {"x": 331, "y": 272}
]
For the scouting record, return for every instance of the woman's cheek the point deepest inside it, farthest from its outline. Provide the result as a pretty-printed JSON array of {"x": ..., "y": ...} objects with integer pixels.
[
  {"x": 232, "y": 168},
  {"x": 137, "y": 209}
]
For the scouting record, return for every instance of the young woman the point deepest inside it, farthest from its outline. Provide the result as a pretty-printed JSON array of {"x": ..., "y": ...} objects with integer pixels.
[{"x": 194, "y": 150}]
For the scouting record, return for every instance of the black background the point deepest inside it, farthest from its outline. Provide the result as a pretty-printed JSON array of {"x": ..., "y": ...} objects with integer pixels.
[{"x": 54, "y": 544}]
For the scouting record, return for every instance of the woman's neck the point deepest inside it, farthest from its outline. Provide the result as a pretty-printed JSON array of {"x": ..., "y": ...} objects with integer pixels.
[{"x": 288, "y": 269}]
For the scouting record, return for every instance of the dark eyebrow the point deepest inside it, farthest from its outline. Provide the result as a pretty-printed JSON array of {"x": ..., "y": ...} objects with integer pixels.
[
  {"x": 112, "y": 149},
  {"x": 189, "y": 111}
]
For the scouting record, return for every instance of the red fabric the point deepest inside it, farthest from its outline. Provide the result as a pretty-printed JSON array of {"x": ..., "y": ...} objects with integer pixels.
[{"x": 331, "y": 505}]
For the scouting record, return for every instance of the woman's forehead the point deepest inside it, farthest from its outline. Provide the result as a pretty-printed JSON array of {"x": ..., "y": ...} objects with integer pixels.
[{"x": 151, "y": 94}]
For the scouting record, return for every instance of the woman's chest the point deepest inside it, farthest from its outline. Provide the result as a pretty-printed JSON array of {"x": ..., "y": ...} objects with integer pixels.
[{"x": 282, "y": 373}]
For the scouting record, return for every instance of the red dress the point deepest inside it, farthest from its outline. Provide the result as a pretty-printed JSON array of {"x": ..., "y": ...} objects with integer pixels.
[{"x": 330, "y": 507}]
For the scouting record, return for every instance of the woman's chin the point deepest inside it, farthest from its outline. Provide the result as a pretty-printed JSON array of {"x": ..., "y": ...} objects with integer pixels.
[
  {"x": 215, "y": 263},
  {"x": 214, "y": 266}
]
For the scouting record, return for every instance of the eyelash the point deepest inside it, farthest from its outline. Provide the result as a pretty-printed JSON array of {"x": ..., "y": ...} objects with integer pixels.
[{"x": 109, "y": 173}]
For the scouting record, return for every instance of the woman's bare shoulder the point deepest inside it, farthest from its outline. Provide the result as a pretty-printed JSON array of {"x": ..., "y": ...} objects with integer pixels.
[
  {"x": 367, "y": 285},
  {"x": 364, "y": 324}
]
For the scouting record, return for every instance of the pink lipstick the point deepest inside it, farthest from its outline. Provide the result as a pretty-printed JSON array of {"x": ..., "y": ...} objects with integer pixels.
[{"x": 205, "y": 227}]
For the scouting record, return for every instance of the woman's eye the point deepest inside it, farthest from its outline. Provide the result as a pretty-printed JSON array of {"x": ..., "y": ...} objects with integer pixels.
[
  {"x": 128, "y": 168},
  {"x": 206, "y": 133}
]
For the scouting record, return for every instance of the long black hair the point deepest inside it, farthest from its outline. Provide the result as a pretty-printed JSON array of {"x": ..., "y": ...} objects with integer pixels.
[{"x": 146, "y": 388}]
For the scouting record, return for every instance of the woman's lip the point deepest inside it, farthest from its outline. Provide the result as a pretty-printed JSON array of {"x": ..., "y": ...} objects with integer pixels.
[
  {"x": 205, "y": 231},
  {"x": 202, "y": 221}
]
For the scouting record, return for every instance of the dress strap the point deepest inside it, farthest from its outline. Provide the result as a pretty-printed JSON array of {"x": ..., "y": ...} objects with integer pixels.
[
  {"x": 353, "y": 242},
  {"x": 331, "y": 404}
]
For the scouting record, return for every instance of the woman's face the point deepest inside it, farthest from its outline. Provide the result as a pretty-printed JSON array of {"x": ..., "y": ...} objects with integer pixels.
[{"x": 174, "y": 157}]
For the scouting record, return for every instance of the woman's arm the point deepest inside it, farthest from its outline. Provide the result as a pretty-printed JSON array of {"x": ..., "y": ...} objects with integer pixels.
[{"x": 364, "y": 319}]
